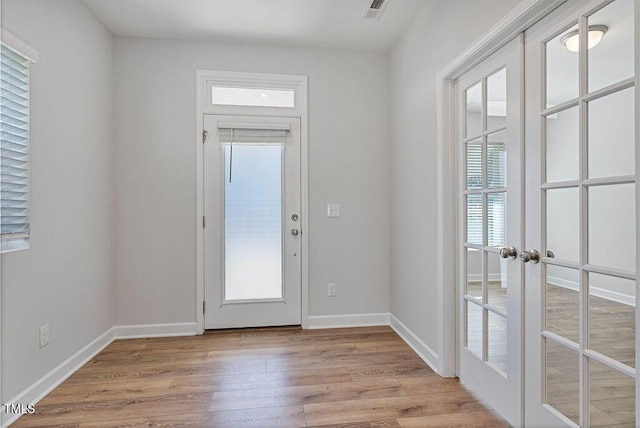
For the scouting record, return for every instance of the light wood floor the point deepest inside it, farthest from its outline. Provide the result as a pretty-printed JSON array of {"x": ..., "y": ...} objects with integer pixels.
[{"x": 359, "y": 377}]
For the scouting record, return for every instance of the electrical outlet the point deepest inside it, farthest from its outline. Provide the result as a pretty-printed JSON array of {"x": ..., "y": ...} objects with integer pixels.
[
  {"x": 331, "y": 289},
  {"x": 44, "y": 335}
]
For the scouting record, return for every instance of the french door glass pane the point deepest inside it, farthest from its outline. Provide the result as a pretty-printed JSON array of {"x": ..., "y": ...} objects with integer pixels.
[
  {"x": 474, "y": 328},
  {"x": 473, "y": 112},
  {"x": 612, "y": 59},
  {"x": 497, "y": 343},
  {"x": 612, "y": 396},
  {"x": 474, "y": 273},
  {"x": 563, "y": 227},
  {"x": 497, "y": 100},
  {"x": 562, "y": 302},
  {"x": 562, "y": 380},
  {"x": 562, "y": 71},
  {"x": 253, "y": 222},
  {"x": 612, "y": 225},
  {"x": 612, "y": 135},
  {"x": 612, "y": 319},
  {"x": 474, "y": 219},
  {"x": 496, "y": 218},
  {"x": 497, "y": 287},
  {"x": 497, "y": 160},
  {"x": 562, "y": 140},
  {"x": 474, "y": 164}
]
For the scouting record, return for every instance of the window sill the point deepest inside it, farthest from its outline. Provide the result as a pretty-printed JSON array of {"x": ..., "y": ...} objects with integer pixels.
[{"x": 14, "y": 245}]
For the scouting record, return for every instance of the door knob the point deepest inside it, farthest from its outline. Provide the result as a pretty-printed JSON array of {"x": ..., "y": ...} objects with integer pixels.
[
  {"x": 508, "y": 253},
  {"x": 530, "y": 256},
  {"x": 294, "y": 232}
]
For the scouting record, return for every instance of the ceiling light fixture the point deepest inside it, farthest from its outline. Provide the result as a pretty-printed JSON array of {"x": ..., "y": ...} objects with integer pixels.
[{"x": 572, "y": 39}]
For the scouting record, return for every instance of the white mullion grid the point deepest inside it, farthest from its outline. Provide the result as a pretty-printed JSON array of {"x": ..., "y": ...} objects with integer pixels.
[
  {"x": 618, "y": 273},
  {"x": 484, "y": 134},
  {"x": 583, "y": 309},
  {"x": 495, "y": 310},
  {"x": 560, "y": 107}
]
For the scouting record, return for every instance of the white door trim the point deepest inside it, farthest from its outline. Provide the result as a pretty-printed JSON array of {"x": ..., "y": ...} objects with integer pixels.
[
  {"x": 525, "y": 14},
  {"x": 255, "y": 80}
]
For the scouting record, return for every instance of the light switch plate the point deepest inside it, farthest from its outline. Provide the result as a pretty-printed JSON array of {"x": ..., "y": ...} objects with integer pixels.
[{"x": 333, "y": 210}]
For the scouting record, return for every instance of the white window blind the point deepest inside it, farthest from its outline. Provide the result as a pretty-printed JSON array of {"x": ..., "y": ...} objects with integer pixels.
[
  {"x": 496, "y": 202},
  {"x": 14, "y": 145},
  {"x": 267, "y": 134}
]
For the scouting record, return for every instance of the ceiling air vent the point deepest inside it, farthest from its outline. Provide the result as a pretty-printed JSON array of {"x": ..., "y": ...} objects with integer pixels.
[{"x": 373, "y": 12}]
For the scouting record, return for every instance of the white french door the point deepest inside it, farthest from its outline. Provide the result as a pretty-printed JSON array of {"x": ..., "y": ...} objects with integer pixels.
[
  {"x": 490, "y": 303},
  {"x": 581, "y": 216},
  {"x": 252, "y": 235},
  {"x": 571, "y": 294}
]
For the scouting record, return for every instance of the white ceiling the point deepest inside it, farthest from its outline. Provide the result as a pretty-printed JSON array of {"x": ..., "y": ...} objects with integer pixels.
[{"x": 335, "y": 24}]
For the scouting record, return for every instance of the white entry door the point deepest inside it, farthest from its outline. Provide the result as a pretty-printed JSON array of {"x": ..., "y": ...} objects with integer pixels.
[
  {"x": 252, "y": 221},
  {"x": 582, "y": 218},
  {"x": 490, "y": 275}
]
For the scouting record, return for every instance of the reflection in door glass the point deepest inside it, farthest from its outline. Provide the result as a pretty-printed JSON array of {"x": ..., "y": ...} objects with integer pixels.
[
  {"x": 253, "y": 222},
  {"x": 474, "y": 328},
  {"x": 611, "y": 60},
  {"x": 497, "y": 286},
  {"x": 612, "y": 224},
  {"x": 562, "y": 70},
  {"x": 612, "y": 135},
  {"x": 562, "y": 380},
  {"x": 612, "y": 397},
  {"x": 612, "y": 306},
  {"x": 563, "y": 231},
  {"x": 497, "y": 341},
  {"x": 497, "y": 100},
  {"x": 473, "y": 116}
]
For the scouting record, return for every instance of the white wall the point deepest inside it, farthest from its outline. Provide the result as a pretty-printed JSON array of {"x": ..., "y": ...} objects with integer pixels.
[
  {"x": 440, "y": 32},
  {"x": 64, "y": 280},
  {"x": 155, "y": 173}
]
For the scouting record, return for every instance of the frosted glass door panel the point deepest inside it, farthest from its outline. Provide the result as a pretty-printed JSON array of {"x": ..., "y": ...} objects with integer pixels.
[{"x": 253, "y": 222}]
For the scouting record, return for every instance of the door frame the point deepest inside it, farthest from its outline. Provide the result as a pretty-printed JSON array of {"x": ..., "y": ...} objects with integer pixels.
[
  {"x": 297, "y": 83},
  {"x": 521, "y": 17}
]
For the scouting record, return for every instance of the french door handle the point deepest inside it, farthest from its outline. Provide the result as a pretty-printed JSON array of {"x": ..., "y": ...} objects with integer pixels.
[
  {"x": 530, "y": 256},
  {"x": 508, "y": 253}
]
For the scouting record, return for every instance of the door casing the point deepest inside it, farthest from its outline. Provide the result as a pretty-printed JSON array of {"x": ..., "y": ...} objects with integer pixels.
[{"x": 298, "y": 83}]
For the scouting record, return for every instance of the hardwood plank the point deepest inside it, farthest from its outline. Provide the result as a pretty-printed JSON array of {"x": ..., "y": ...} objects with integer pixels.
[
  {"x": 388, "y": 408},
  {"x": 356, "y": 377},
  {"x": 73, "y": 413},
  {"x": 129, "y": 373},
  {"x": 484, "y": 418},
  {"x": 261, "y": 380},
  {"x": 349, "y": 360},
  {"x": 297, "y": 395},
  {"x": 82, "y": 393},
  {"x": 430, "y": 384},
  {"x": 392, "y": 370},
  {"x": 384, "y": 423}
]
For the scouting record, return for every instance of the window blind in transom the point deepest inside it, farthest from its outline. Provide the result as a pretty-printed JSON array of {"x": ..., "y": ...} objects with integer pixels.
[
  {"x": 250, "y": 133},
  {"x": 14, "y": 145}
]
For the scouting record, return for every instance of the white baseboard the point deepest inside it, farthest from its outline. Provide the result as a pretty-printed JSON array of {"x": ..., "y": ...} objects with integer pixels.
[
  {"x": 39, "y": 389},
  {"x": 422, "y": 349},
  {"x": 614, "y": 296},
  {"x": 143, "y": 331},
  {"x": 493, "y": 277},
  {"x": 352, "y": 320}
]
